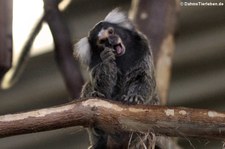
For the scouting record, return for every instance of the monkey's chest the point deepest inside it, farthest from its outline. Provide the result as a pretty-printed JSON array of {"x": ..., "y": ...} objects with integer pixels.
[{"x": 119, "y": 88}]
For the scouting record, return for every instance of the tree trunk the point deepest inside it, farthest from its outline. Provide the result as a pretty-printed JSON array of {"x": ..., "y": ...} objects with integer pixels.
[{"x": 5, "y": 36}]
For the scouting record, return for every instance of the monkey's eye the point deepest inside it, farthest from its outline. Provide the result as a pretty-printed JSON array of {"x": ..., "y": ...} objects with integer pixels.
[
  {"x": 110, "y": 31},
  {"x": 102, "y": 41}
]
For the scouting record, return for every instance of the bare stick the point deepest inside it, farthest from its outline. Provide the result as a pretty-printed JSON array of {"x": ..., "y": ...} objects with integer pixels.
[{"x": 115, "y": 117}]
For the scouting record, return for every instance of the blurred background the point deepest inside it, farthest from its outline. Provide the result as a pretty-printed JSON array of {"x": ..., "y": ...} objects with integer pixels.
[{"x": 198, "y": 71}]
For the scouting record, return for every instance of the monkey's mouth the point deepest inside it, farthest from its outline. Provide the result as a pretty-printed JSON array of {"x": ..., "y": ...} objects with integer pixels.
[
  {"x": 117, "y": 44},
  {"x": 119, "y": 49},
  {"x": 113, "y": 41}
]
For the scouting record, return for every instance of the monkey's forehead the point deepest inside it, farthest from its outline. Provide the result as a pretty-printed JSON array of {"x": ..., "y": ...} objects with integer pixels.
[
  {"x": 104, "y": 25},
  {"x": 101, "y": 25}
]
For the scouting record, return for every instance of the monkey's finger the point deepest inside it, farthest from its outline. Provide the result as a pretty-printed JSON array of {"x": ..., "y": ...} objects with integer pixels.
[
  {"x": 131, "y": 99},
  {"x": 108, "y": 49},
  {"x": 97, "y": 94},
  {"x": 126, "y": 99},
  {"x": 106, "y": 55},
  {"x": 140, "y": 99},
  {"x": 123, "y": 97},
  {"x": 111, "y": 57},
  {"x": 136, "y": 100}
]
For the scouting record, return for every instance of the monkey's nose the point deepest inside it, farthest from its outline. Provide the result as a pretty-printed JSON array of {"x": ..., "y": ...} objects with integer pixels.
[
  {"x": 104, "y": 34},
  {"x": 113, "y": 39}
]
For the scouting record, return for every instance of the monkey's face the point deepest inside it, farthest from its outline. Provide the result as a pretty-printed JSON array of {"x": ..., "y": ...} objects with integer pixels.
[
  {"x": 107, "y": 35},
  {"x": 115, "y": 31}
]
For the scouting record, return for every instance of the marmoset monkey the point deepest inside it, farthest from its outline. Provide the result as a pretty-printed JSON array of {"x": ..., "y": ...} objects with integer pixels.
[{"x": 120, "y": 64}]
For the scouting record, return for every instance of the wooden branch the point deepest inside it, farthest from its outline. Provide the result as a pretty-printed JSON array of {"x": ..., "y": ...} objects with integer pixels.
[
  {"x": 23, "y": 57},
  {"x": 115, "y": 117},
  {"x": 5, "y": 36},
  {"x": 63, "y": 48}
]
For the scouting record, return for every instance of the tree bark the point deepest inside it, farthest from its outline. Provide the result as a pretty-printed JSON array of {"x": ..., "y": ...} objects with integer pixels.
[
  {"x": 63, "y": 48},
  {"x": 114, "y": 117},
  {"x": 17, "y": 70},
  {"x": 5, "y": 36}
]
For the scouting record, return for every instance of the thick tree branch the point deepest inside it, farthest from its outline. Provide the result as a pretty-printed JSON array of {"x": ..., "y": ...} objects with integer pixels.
[
  {"x": 24, "y": 56},
  {"x": 5, "y": 36},
  {"x": 115, "y": 117},
  {"x": 63, "y": 48}
]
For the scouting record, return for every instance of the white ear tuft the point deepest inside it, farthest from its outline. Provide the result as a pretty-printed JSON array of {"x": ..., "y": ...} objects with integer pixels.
[
  {"x": 120, "y": 18},
  {"x": 83, "y": 51}
]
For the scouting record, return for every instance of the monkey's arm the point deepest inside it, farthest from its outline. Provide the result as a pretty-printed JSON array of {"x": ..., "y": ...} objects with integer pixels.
[
  {"x": 103, "y": 79},
  {"x": 141, "y": 85},
  {"x": 104, "y": 75}
]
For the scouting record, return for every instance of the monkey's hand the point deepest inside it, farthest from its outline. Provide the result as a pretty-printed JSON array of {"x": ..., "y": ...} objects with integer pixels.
[
  {"x": 97, "y": 94},
  {"x": 104, "y": 75},
  {"x": 108, "y": 55},
  {"x": 132, "y": 99}
]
